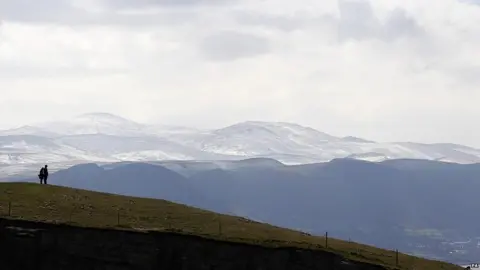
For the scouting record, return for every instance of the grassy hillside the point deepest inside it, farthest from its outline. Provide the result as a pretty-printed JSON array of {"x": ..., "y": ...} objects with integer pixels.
[{"x": 92, "y": 209}]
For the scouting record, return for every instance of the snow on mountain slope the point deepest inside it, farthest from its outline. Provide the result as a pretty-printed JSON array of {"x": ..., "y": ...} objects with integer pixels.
[
  {"x": 95, "y": 123},
  {"x": 102, "y": 123},
  {"x": 441, "y": 152},
  {"x": 372, "y": 157},
  {"x": 167, "y": 130},
  {"x": 138, "y": 148},
  {"x": 103, "y": 137},
  {"x": 111, "y": 144},
  {"x": 29, "y": 149},
  {"x": 262, "y": 139},
  {"x": 295, "y": 144}
]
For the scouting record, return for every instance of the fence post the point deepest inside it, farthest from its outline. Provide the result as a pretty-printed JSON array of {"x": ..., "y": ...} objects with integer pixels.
[
  {"x": 326, "y": 239},
  {"x": 9, "y": 208},
  {"x": 118, "y": 217},
  {"x": 219, "y": 226}
]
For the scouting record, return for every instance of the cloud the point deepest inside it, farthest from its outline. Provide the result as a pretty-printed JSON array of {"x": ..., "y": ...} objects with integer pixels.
[
  {"x": 33, "y": 11},
  {"x": 231, "y": 45},
  {"x": 384, "y": 70},
  {"x": 358, "y": 21},
  {"x": 399, "y": 23},
  {"x": 283, "y": 23},
  {"x": 164, "y": 3},
  {"x": 474, "y": 2},
  {"x": 96, "y": 13}
]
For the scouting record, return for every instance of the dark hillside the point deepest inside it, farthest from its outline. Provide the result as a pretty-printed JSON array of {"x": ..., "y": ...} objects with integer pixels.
[{"x": 80, "y": 208}]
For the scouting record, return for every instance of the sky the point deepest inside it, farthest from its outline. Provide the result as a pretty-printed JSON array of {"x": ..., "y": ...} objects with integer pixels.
[{"x": 387, "y": 70}]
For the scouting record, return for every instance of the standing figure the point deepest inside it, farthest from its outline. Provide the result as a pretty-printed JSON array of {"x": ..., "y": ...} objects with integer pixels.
[{"x": 43, "y": 175}]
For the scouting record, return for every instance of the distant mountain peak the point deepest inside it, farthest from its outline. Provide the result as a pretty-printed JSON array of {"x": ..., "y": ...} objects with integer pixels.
[
  {"x": 259, "y": 122},
  {"x": 94, "y": 123},
  {"x": 99, "y": 114},
  {"x": 103, "y": 117},
  {"x": 274, "y": 126}
]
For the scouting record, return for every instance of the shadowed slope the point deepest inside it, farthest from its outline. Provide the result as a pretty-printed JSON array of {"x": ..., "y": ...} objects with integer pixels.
[{"x": 85, "y": 208}]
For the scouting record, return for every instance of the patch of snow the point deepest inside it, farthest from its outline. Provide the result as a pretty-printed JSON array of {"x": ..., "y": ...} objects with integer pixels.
[{"x": 151, "y": 155}]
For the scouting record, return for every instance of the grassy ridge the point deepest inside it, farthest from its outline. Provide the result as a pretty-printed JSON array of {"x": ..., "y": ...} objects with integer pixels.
[{"x": 92, "y": 209}]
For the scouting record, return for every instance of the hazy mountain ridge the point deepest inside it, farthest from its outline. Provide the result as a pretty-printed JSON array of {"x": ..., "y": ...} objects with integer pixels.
[
  {"x": 391, "y": 204},
  {"x": 103, "y": 137}
]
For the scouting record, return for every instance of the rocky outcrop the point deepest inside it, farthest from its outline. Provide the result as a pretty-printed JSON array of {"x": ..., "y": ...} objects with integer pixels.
[{"x": 35, "y": 245}]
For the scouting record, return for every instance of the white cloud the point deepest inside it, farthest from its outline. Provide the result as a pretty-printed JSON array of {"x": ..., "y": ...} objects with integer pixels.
[
  {"x": 384, "y": 70},
  {"x": 231, "y": 45}
]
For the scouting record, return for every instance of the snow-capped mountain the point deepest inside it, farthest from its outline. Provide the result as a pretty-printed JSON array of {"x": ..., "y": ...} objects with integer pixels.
[
  {"x": 94, "y": 123},
  {"x": 99, "y": 123},
  {"x": 103, "y": 137}
]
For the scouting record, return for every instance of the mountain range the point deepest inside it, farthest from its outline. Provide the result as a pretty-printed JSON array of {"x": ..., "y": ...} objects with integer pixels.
[
  {"x": 416, "y": 206},
  {"x": 106, "y": 138},
  {"x": 411, "y": 196}
]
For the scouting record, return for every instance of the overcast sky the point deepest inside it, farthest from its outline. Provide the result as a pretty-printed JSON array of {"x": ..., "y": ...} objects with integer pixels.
[{"x": 388, "y": 70}]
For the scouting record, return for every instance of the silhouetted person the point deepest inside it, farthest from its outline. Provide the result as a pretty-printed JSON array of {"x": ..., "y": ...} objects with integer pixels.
[{"x": 43, "y": 175}]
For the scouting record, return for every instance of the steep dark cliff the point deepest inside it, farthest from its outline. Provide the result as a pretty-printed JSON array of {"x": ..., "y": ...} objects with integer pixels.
[{"x": 33, "y": 245}]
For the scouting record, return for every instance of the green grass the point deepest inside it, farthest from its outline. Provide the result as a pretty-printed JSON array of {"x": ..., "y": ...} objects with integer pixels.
[{"x": 91, "y": 209}]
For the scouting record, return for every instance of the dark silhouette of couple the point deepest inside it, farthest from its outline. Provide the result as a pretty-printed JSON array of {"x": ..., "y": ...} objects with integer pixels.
[{"x": 43, "y": 175}]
